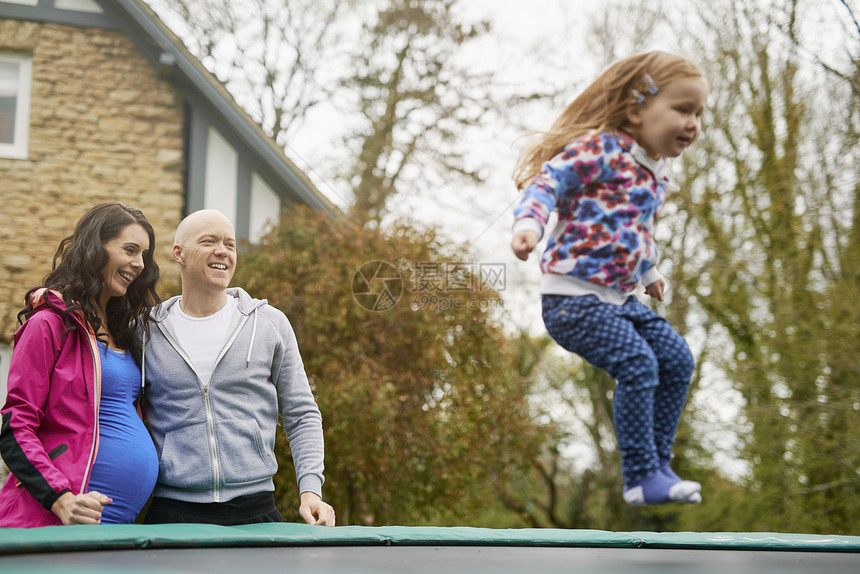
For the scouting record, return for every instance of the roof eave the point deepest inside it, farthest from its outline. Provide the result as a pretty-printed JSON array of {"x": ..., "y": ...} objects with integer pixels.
[{"x": 213, "y": 91}]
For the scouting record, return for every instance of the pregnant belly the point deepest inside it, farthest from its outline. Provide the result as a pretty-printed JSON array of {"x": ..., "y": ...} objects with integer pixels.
[{"x": 126, "y": 468}]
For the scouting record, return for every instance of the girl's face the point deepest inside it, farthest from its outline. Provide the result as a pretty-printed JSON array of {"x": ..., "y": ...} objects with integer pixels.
[
  {"x": 668, "y": 122},
  {"x": 125, "y": 261}
]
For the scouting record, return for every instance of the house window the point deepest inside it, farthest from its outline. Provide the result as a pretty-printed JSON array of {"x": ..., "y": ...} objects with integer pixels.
[
  {"x": 222, "y": 162},
  {"x": 15, "y": 72},
  {"x": 78, "y": 6},
  {"x": 265, "y": 208}
]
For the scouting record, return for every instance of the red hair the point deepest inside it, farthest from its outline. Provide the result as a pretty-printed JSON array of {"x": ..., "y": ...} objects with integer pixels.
[{"x": 604, "y": 104}]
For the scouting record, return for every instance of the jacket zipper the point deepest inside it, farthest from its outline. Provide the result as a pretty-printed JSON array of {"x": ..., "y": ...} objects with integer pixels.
[
  {"x": 210, "y": 425},
  {"x": 213, "y": 446},
  {"x": 210, "y": 416},
  {"x": 210, "y": 419},
  {"x": 96, "y": 399}
]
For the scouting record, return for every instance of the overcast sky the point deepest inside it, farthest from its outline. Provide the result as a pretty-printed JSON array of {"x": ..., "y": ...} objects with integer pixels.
[{"x": 526, "y": 38}]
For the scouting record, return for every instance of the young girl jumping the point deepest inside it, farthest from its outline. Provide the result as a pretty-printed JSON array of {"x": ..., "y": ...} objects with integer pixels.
[{"x": 603, "y": 168}]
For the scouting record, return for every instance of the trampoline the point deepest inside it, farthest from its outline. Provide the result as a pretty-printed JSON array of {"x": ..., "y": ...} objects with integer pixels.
[{"x": 300, "y": 549}]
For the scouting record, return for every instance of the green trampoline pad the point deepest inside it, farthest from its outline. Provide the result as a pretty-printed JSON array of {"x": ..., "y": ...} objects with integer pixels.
[{"x": 298, "y": 548}]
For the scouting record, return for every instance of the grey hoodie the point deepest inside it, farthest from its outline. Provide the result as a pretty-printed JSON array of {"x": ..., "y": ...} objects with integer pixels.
[{"x": 216, "y": 443}]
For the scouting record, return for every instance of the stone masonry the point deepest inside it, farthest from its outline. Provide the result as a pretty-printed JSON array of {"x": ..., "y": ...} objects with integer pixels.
[{"x": 103, "y": 127}]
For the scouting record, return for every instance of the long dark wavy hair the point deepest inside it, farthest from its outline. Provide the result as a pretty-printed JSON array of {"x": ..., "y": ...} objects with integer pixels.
[{"x": 77, "y": 275}]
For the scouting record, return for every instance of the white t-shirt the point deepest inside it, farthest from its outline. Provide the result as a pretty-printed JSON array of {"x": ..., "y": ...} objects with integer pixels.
[{"x": 202, "y": 338}]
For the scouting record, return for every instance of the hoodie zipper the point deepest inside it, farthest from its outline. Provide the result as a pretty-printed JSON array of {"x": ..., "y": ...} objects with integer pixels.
[
  {"x": 210, "y": 418},
  {"x": 210, "y": 423},
  {"x": 213, "y": 446}
]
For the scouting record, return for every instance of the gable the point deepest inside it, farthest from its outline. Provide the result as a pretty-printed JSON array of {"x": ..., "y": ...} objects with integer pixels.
[{"x": 119, "y": 110}]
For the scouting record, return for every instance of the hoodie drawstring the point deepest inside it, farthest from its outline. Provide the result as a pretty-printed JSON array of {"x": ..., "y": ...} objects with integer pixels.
[
  {"x": 253, "y": 334},
  {"x": 143, "y": 363}
]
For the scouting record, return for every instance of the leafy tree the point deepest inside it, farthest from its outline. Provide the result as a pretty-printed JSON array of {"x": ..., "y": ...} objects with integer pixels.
[
  {"x": 762, "y": 254},
  {"x": 398, "y": 82},
  {"x": 272, "y": 55},
  {"x": 772, "y": 195},
  {"x": 763, "y": 270},
  {"x": 415, "y": 101},
  {"x": 579, "y": 397},
  {"x": 421, "y": 410}
]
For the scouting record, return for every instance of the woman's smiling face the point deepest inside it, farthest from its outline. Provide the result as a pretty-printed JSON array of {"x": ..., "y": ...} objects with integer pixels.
[{"x": 125, "y": 261}]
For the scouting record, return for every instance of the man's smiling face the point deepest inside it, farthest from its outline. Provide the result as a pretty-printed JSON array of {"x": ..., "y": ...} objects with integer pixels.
[{"x": 207, "y": 256}]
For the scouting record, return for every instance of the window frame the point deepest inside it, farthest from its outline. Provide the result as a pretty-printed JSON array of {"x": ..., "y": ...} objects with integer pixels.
[{"x": 19, "y": 147}]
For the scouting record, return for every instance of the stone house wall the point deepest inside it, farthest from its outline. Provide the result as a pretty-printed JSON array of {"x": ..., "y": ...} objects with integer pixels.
[{"x": 103, "y": 127}]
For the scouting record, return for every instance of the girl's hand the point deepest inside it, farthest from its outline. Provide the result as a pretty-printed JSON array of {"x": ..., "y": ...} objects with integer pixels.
[
  {"x": 80, "y": 508},
  {"x": 524, "y": 243},
  {"x": 655, "y": 289}
]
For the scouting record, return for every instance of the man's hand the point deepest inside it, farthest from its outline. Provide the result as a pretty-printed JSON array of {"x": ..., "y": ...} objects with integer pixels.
[
  {"x": 315, "y": 511},
  {"x": 80, "y": 508},
  {"x": 655, "y": 289},
  {"x": 524, "y": 243}
]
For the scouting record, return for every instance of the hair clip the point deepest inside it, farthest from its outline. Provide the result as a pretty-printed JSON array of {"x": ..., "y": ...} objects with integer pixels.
[
  {"x": 129, "y": 209},
  {"x": 650, "y": 87}
]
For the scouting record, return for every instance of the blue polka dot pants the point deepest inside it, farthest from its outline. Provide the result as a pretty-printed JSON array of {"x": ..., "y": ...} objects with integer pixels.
[{"x": 650, "y": 362}]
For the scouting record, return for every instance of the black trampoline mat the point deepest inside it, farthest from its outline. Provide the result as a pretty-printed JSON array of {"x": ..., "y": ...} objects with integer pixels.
[{"x": 435, "y": 559}]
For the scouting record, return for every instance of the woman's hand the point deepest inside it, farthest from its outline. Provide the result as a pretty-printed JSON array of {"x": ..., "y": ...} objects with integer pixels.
[{"x": 80, "y": 508}]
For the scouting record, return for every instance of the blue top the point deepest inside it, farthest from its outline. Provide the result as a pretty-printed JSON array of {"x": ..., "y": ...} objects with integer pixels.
[{"x": 126, "y": 465}]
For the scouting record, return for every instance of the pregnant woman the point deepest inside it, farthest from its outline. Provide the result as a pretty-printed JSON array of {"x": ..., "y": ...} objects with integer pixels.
[{"x": 71, "y": 436}]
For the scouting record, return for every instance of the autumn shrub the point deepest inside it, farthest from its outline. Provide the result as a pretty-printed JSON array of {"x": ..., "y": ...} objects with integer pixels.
[{"x": 422, "y": 409}]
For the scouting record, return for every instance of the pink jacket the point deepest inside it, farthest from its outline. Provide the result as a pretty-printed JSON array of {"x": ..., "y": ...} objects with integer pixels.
[{"x": 49, "y": 434}]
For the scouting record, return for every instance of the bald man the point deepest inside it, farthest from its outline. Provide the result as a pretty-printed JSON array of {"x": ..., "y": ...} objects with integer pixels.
[{"x": 220, "y": 366}]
